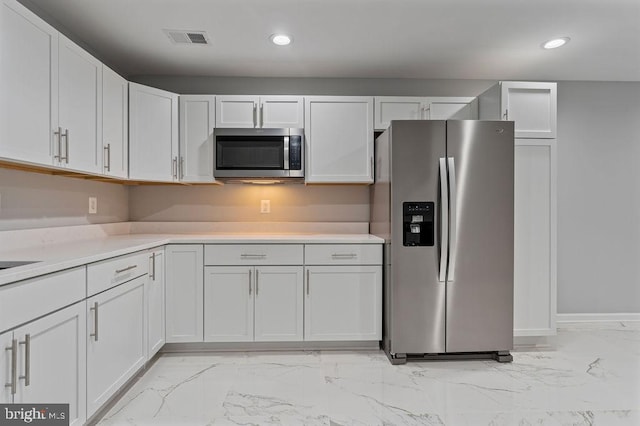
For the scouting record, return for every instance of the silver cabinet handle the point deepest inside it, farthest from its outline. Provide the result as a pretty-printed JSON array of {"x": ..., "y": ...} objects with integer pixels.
[
  {"x": 257, "y": 275},
  {"x": 65, "y": 135},
  {"x": 444, "y": 206},
  {"x": 94, "y": 308},
  {"x": 174, "y": 168},
  {"x": 181, "y": 167},
  {"x": 261, "y": 123},
  {"x": 27, "y": 359},
  {"x": 107, "y": 150},
  {"x": 372, "y": 171},
  {"x": 59, "y": 137},
  {"x": 344, "y": 255},
  {"x": 453, "y": 189},
  {"x": 255, "y": 113},
  {"x": 14, "y": 367},
  {"x": 307, "y": 282},
  {"x": 128, "y": 268},
  {"x": 506, "y": 114},
  {"x": 252, "y": 256},
  {"x": 249, "y": 282},
  {"x": 152, "y": 272}
]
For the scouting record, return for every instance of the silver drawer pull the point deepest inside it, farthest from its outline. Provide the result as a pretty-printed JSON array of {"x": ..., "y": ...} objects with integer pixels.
[
  {"x": 27, "y": 359},
  {"x": 344, "y": 255},
  {"x": 253, "y": 256},
  {"x": 128, "y": 268},
  {"x": 14, "y": 367}
]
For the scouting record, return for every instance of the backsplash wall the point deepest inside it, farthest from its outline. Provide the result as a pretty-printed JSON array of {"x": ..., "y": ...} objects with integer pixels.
[
  {"x": 34, "y": 200},
  {"x": 241, "y": 203}
]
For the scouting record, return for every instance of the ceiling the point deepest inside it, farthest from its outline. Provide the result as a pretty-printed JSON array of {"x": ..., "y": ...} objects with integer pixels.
[{"x": 430, "y": 39}]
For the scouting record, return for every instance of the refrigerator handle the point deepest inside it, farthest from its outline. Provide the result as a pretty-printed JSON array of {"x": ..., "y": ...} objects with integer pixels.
[
  {"x": 444, "y": 220},
  {"x": 454, "y": 218}
]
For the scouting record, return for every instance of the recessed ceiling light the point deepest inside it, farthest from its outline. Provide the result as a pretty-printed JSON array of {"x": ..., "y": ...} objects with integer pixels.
[
  {"x": 281, "y": 39},
  {"x": 556, "y": 42}
]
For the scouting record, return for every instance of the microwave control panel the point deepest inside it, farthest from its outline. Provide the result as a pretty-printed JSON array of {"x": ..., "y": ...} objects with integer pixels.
[{"x": 295, "y": 153}]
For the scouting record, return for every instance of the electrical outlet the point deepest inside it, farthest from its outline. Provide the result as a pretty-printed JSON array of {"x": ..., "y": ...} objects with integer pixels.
[
  {"x": 93, "y": 205},
  {"x": 265, "y": 206}
]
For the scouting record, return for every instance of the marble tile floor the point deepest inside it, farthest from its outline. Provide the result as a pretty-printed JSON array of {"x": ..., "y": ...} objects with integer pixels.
[{"x": 591, "y": 378}]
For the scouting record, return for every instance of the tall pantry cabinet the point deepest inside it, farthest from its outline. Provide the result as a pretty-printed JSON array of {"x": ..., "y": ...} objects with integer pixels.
[{"x": 532, "y": 106}]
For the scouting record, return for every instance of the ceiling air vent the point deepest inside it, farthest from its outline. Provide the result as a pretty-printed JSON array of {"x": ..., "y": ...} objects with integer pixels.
[{"x": 187, "y": 37}]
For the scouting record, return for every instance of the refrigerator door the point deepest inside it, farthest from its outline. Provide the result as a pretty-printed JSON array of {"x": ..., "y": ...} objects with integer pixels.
[
  {"x": 480, "y": 274},
  {"x": 416, "y": 298}
]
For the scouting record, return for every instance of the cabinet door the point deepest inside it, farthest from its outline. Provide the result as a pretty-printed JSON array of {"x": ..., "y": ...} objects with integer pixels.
[
  {"x": 184, "y": 293},
  {"x": 451, "y": 108},
  {"x": 532, "y": 106},
  {"x": 197, "y": 120},
  {"x": 7, "y": 365},
  {"x": 115, "y": 124},
  {"x": 343, "y": 303},
  {"x": 278, "y": 303},
  {"x": 116, "y": 325},
  {"x": 28, "y": 85},
  {"x": 153, "y": 134},
  {"x": 535, "y": 238},
  {"x": 228, "y": 304},
  {"x": 389, "y": 108},
  {"x": 80, "y": 107},
  {"x": 237, "y": 111},
  {"x": 339, "y": 137},
  {"x": 56, "y": 357},
  {"x": 155, "y": 303},
  {"x": 281, "y": 111}
]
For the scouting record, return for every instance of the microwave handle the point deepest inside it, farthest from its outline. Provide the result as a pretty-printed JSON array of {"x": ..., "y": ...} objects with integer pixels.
[{"x": 286, "y": 152}]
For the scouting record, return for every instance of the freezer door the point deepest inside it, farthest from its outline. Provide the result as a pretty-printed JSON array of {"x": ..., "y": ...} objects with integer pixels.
[
  {"x": 480, "y": 275},
  {"x": 416, "y": 304}
]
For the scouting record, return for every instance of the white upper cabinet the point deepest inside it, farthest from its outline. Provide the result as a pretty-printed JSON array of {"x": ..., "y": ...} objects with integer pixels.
[
  {"x": 389, "y": 108},
  {"x": 153, "y": 134},
  {"x": 115, "y": 124},
  {"x": 28, "y": 85},
  {"x": 79, "y": 107},
  {"x": 451, "y": 108},
  {"x": 339, "y": 138},
  {"x": 259, "y": 111},
  {"x": 197, "y": 121},
  {"x": 532, "y": 106},
  {"x": 281, "y": 111}
]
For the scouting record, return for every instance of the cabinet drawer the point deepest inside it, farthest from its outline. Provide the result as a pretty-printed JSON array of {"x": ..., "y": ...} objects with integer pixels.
[
  {"x": 109, "y": 273},
  {"x": 343, "y": 254},
  {"x": 253, "y": 254},
  {"x": 29, "y": 299}
]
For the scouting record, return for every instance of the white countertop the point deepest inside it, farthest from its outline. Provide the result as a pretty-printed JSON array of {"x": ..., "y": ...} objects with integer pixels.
[{"x": 57, "y": 257}]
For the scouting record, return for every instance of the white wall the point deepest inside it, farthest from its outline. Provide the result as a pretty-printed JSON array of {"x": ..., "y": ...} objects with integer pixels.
[
  {"x": 598, "y": 197},
  {"x": 33, "y": 200},
  {"x": 241, "y": 203}
]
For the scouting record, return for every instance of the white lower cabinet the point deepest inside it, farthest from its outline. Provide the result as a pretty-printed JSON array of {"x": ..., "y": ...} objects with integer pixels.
[
  {"x": 228, "y": 304},
  {"x": 246, "y": 304},
  {"x": 116, "y": 328},
  {"x": 46, "y": 362},
  {"x": 343, "y": 303},
  {"x": 155, "y": 303},
  {"x": 184, "y": 293}
]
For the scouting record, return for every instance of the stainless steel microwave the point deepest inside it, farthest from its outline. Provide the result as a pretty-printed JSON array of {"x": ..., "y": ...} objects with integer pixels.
[{"x": 259, "y": 153}]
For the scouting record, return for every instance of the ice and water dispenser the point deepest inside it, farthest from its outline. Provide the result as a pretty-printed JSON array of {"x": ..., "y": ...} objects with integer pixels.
[{"x": 418, "y": 217}]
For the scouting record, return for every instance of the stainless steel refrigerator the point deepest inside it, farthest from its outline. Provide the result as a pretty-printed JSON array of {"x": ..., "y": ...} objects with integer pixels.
[{"x": 443, "y": 202}]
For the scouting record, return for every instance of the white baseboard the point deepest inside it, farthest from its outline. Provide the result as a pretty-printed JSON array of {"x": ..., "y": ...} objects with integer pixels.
[{"x": 569, "y": 318}]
